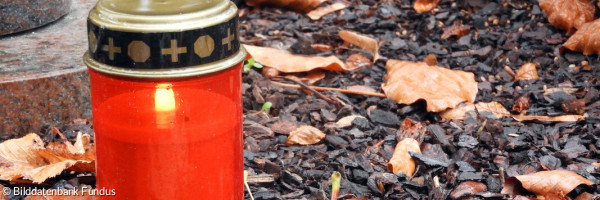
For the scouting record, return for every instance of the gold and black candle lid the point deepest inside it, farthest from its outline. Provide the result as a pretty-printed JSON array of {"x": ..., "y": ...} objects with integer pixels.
[{"x": 163, "y": 42}]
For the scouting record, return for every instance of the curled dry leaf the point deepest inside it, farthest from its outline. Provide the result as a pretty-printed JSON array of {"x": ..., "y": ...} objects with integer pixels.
[
  {"x": 322, "y": 11},
  {"x": 527, "y": 72},
  {"x": 585, "y": 39},
  {"x": 466, "y": 189},
  {"x": 568, "y": 14},
  {"x": 270, "y": 72},
  {"x": 362, "y": 41},
  {"x": 298, "y": 5},
  {"x": 425, "y": 5},
  {"x": 497, "y": 110},
  {"x": 357, "y": 61},
  {"x": 289, "y": 63},
  {"x": 560, "y": 118},
  {"x": 455, "y": 30},
  {"x": 407, "y": 82},
  {"x": 490, "y": 109},
  {"x": 27, "y": 158},
  {"x": 556, "y": 182},
  {"x": 347, "y": 121},
  {"x": 401, "y": 160},
  {"x": 311, "y": 77},
  {"x": 305, "y": 135}
]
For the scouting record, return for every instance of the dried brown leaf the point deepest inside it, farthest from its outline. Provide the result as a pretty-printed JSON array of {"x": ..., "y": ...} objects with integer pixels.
[
  {"x": 289, "y": 63},
  {"x": 556, "y": 182},
  {"x": 298, "y": 5},
  {"x": 362, "y": 41},
  {"x": 496, "y": 110},
  {"x": 270, "y": 72},
  {"x": 358, "y": 61},
  {"x": 324, "y": 10},
  {"x": 311, "y": 77},
  {"x": 455, "y": 30},
  {"x": 425, "y": 5},
  {"x": 585, "y": 39},
  {"x": 560, "y": 118},
  {"x": 568, "y": 14},
  {"x": 401, "y": 160},
  {"x": 305, "y": 135},
  {"x": 467, "y": 188},
  {"x": 407, "y": 82},
  {"x": 527, "y": 72},
  {"x": 346, "y": 121},
  {"x": 30, "y": 160}
]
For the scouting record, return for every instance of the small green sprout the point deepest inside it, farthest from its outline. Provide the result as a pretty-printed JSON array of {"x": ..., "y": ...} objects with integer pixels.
[
  {"x": 266, "y": 106},
  {"x": 251, "y": 63},
  {"x": 335, "y": 184}
]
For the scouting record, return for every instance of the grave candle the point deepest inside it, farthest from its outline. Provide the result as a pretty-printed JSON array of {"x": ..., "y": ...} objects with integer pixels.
[{"x": 166, "y": 100}]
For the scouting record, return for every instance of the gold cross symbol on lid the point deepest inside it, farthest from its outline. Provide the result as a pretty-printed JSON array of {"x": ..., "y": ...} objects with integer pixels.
[
  {"x": 111, "y": 49},
  {"x": 174, "y": 51},
  {"x": 227, "y": 40}
]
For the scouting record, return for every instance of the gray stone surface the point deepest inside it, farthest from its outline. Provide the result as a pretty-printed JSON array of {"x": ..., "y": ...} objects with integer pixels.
[{"x": 43, "y": 80}]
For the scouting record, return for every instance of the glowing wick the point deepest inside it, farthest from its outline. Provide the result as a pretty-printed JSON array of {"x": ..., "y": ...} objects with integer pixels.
[{"x": 164, "y": 104}]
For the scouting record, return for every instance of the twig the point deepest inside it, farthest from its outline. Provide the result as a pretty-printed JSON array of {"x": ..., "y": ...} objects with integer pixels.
[
  {"x": 317, "y": 88},
  {"x": 322, "y": 96}
]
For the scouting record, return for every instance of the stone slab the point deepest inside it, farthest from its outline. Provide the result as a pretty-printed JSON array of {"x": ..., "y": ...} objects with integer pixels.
[
  {"x": 21, "y": 15},
  {"x": 43, "y": 80}
]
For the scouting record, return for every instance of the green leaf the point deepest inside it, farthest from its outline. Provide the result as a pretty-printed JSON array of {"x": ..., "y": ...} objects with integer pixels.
[
  {"x": 266, "y": 106},
  {"x": 258, "y": 65}
]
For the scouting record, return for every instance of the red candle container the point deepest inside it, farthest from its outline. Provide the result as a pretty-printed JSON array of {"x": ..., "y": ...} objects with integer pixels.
[{"x": 166, "y": 99}]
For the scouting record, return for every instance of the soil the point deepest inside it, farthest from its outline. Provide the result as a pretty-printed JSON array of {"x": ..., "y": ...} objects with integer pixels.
[{"x": 505, "y": 34}]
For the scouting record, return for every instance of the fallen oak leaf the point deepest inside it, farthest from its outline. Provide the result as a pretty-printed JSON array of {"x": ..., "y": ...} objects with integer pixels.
[
  {"x": 316, "y": 14},
  {"x": 362, "y": 41},
  {"x": 407, "y": 82},
  {"x": 585, "y": 39},
  {"x": 401, "y": 160},
  {"x": 568, "y": 14},
  {"x": 27, "y": 158},
  {"x": 527, "y": 72},
  {"x": 298, "y": 5},
  {"x": 357, "y": 61},
  {"x": 555, "y": 182},
  {"x": 289, "y": 63},
  {"x": 305, "y": 135},
  {"x": 425, "y": 5}
]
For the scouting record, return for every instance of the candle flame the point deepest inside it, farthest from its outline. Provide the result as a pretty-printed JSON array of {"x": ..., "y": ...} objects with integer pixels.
[{"x": 164, "y": 98}]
